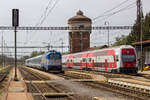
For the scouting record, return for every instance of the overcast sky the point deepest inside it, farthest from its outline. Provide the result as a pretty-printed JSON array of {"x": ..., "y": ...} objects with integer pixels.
[{"x": 32, "y": 10}]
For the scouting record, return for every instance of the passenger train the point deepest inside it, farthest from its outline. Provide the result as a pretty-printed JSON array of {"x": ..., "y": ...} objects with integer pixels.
[
  {"x": 50, "y": 61},
  {"x": 120, "y": 59}
]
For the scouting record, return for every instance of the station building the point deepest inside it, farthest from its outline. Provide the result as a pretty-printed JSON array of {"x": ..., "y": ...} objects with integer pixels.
[{"x": 145, "y": 47}]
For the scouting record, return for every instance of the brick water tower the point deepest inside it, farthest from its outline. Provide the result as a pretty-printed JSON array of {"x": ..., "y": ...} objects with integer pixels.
[{"x": 79, "y": 40}]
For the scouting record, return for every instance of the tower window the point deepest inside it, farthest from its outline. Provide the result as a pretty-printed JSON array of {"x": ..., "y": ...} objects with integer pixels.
[{"x": 81, "y": 26}]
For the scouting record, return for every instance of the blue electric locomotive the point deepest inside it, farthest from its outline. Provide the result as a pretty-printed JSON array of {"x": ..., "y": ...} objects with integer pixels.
[{"x": 51, "y": 61}]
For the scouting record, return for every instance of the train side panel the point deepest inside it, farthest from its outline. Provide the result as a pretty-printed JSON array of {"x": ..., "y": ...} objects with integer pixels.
[{"x": 108, "y": 60}]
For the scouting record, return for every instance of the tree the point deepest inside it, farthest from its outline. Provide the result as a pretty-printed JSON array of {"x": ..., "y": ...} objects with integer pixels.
[
  {"x": 36, "y": 53},
  {"x": 132, "y": 37}
]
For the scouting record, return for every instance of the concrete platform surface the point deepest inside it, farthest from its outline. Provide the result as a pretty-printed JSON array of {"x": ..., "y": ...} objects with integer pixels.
[
  {"x": 17, "y": 89},
  {"x": 18, "y": 96},
  {"x": 17, "y": 84},
  {"x": 132, "y": 81},
  {"x": 87, "y": 75},
  {"x": 145, "y": 72}
]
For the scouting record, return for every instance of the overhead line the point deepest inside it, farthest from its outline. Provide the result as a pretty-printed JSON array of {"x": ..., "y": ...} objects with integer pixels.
[
  {"x": 111, "y": 9},
  {"x": 49, "y": 11},
  {"x": 44, "y": 12},
  {"x": 123, "y": 9}
]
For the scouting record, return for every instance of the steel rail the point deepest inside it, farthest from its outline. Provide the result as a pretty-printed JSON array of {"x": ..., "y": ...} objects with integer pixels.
[
  {"x": 38, "y": 90},
  {"x": 4, "y": 74},
  {"x": 50, "y": 85}
]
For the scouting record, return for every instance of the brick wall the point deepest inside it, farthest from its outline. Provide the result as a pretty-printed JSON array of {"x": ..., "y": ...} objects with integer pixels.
[{"x": 79, "y": 42}]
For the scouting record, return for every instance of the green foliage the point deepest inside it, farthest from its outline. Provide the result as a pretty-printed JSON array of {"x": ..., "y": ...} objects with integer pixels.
[
  {"x": 120, "y": 40},
  {"x": 64, "y": 53},
  {"x": 6, "y": 60},
  {"x": 132, "y": 37},
  {"x": 36, "y": 53}
]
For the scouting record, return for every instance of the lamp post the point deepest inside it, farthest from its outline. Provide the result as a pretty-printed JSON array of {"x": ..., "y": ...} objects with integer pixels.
[{"x": 107, "y": 23}]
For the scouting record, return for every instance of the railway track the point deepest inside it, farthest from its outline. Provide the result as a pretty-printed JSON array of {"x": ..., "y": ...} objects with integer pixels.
[
  {"x": 111, "y": 75},
  {"x": 53, "y": 91},
  {"x": 124, "y": 90},
  {"x": 45, "y": 91},
  {"x": 4, "y": 73},
  {"x": 127, "y": 92},
  {"x": 31, "y": 75}
]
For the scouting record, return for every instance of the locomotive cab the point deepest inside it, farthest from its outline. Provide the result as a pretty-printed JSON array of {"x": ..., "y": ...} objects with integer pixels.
[{"x": 128, "y": 60}]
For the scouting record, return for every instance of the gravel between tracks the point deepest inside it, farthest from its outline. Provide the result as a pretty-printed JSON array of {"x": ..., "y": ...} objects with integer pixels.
[
  {"x": 31, "y": 75},
  {"x": 81, "y": 91}
]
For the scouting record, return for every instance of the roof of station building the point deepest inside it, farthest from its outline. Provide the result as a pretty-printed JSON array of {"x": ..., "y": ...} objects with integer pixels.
[{"x": 144, "y": 43}]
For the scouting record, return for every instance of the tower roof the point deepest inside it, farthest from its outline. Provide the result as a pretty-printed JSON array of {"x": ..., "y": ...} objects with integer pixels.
[{"x": 79, "y": 17}]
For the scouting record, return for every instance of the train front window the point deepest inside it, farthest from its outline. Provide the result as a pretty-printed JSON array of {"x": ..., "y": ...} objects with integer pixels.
[
  {"x": 128, "y": 58},
  {"x": 54, "y": 57}
]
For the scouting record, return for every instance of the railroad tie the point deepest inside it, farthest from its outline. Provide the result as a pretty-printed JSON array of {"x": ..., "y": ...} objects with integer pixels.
[{"x": 55, "y": 94}]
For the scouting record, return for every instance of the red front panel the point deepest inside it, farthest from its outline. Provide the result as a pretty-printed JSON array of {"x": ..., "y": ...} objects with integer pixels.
[
  {"x": 69, "y": 61},
  {"x": 128, "y": 58}
]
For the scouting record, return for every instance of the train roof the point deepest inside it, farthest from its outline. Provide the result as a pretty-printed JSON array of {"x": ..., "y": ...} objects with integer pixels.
[
  {"x": 34, "y": 57},
  {"x": 115, "y": 47},
  {"x": 47, "y": 53}
]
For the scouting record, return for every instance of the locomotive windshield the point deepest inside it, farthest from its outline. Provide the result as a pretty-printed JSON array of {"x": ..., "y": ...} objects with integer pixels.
[
  {"x": 54, "y": 56},
  {"x": 128, "y": 58}
]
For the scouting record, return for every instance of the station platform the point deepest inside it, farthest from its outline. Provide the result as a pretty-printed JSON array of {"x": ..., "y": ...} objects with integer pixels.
[
  {"x": 144, "y": 72},
  {"x": 17, "y": 89},
  {"x": 87, "y": 76}
]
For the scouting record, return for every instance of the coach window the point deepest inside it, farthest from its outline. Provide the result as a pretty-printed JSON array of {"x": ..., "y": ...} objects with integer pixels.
[
  {"x": 84, "y": 60},
  {"x": 90, "y": 59},
  {"x": 116, "y": 58}
]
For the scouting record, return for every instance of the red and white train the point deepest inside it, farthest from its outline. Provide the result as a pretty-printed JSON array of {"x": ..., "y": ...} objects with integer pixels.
[{"x": 120, "y": 59}]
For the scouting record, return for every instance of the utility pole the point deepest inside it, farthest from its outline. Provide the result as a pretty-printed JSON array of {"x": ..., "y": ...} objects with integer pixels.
[
  {"x": 139, "y": 31},
  {"x": 2, "y": 51},
  {"x": 107, "y": 23},
  {"x": 48, "y": 45},
  {"x": 62, "y": 45},
  {"x": 139, "y": 15}
]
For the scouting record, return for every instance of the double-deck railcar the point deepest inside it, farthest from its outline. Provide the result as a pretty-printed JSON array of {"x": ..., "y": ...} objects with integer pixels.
[
  {"x": 120, "y": 59},
  {"x": 51, "y": 61}
]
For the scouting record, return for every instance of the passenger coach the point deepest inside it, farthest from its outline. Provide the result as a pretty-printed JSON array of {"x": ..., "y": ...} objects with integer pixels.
[
  {"x": 120, "y": 59},
  {"x": 51, "y": 61}
]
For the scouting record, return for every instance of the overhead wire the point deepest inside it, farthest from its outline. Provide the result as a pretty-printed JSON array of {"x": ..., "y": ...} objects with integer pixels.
[
  {"x": 111, "y": 9},
  {"x": 49, "y": 11},
  {"x": 118, "y": 11},
  {"x": 47, "y": 7},
  {"x": 51, "y": 5},
  {"x": 41, "y": 17}
]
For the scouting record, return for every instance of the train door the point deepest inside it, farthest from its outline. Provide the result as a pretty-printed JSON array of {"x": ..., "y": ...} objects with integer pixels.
[
  {"x": 84, "y": 61},
  {"x": 111, "y": 61},
  {"x": 90, "y": 61}
]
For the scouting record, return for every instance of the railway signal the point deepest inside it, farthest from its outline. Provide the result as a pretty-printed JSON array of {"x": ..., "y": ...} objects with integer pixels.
[{"x": 15, "y": 24}]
